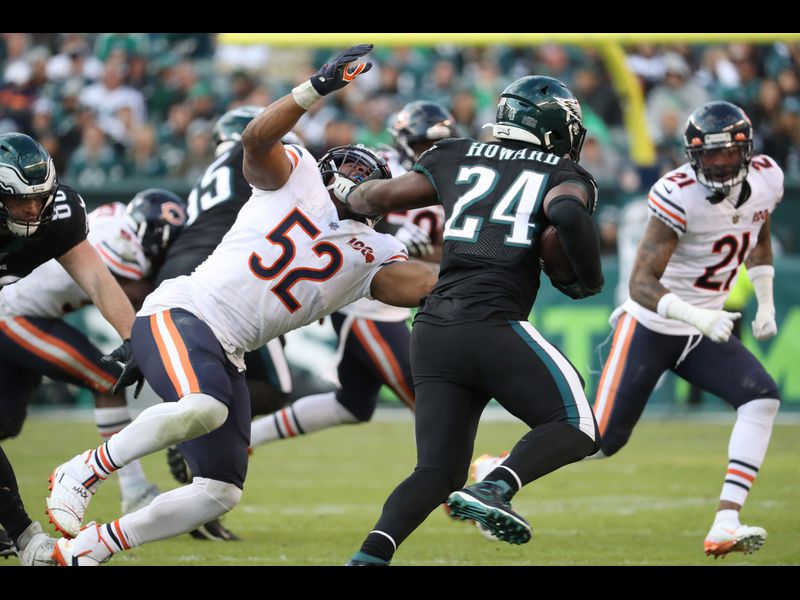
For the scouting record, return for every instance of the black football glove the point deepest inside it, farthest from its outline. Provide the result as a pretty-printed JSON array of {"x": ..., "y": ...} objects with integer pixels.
[
  {"x": 177, "y": 465},
  {"x": 337, "y": 73},
  {"x": 130, "y": 371}
]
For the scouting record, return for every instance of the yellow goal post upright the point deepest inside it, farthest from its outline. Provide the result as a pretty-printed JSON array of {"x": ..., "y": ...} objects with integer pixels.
[{"x": 608, "y": 45}]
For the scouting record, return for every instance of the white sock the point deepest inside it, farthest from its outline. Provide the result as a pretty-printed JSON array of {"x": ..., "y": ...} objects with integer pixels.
[
  {"x": 727, "y": 515},
  {"x": 747, "y": 447},
  {"x": 166, "y": 424},
  {"x": 111, "y": 421},
  {"x": 180, "y": 510},
  {"x": 305, "y": 415}
]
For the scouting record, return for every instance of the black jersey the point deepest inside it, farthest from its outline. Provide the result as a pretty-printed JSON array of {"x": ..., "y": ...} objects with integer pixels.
[
  {"x": 214, "y": 204},
  {"x": 19, "y": 256},
  {"x": 492, "y": 194}
]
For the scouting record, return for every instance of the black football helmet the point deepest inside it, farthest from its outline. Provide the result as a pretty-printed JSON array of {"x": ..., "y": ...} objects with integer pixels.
[
  {"x": 544, "y": 112},
  {"x": 364, "y": 165},
  {"x": 417, "y": 126},
  {"x": 714, "y": 127},
  {"x": 157, "y": 217},
  {"x": 26, "y": 172}
]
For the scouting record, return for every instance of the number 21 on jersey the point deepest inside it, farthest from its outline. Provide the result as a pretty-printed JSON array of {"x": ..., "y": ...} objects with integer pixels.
[{"x": 280, "y": 237}]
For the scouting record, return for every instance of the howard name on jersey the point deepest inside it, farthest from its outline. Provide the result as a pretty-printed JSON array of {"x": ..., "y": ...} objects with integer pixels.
[
  {"x": 287, "y": 261},
  {"x": 714, "y": 239},
  {"x": 429, "y": 218},
  {"x": 50, "y": 292},
  {"x": 19, "y": 256}
]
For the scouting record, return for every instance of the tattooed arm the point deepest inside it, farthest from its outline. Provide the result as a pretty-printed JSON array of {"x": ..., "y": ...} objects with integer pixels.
[
  {"x": 652, "y": 256},
  {"x": 655, "y": 250}
]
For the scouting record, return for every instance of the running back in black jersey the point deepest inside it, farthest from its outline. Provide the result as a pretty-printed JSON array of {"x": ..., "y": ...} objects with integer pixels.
[
  {"x": 492, "y": 194},
  {"x": 214, "y": 204},
  {"x": 19, "y": 256}
]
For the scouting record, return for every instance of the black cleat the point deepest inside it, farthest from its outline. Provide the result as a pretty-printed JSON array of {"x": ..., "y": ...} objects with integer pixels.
[
  {"x": 486, "y": 503},
  {"x": 214, "y": 531}
]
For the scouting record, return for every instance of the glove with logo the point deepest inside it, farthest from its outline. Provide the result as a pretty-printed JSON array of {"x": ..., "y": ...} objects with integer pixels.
[{"x": 333, "y": 76}]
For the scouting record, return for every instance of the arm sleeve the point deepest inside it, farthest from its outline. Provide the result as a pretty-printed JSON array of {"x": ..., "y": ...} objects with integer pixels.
[{"x": 579, "y": 238}]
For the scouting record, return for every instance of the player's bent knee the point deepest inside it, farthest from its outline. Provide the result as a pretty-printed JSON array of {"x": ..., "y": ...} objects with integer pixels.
[
  {"x": 760, "y": 410},
  {"x": 227, "y": 495},
  {"x": 202, "y": 414}
]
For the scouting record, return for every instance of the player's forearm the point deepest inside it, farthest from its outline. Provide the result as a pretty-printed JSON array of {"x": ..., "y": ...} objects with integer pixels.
[
  {"x": 270, "y": 126},
  {"x": 646, "y": 290},
  {"x": 112, "y": 303},
  {"x": 367, "y": 199}
]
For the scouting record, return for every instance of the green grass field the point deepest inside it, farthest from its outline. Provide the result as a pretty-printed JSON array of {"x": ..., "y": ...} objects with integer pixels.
[{"x": 311, "y": 501}]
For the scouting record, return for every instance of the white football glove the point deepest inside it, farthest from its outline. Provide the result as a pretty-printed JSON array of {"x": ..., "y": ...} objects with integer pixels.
[
  {"x": 716, "y": 325},
  {"x": 764, "y": 325},
  {"x": 415, "y": 239}
]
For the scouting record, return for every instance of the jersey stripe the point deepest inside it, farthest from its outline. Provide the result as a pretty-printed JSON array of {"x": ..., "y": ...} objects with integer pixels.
[
  {"x": 57, "y": 352},
  {"x": 673, "y": 219}
]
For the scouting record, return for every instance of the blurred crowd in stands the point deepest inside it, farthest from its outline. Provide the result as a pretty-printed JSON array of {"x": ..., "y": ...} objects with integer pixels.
[{"x": 112, "y": 106}]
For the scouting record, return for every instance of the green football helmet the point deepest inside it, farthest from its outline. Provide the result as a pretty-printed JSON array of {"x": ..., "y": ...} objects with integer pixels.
[
  {"x": 229, "y": 127},
  {"x": 26, "y": 172},
  {"x": 544, "y": 112}
]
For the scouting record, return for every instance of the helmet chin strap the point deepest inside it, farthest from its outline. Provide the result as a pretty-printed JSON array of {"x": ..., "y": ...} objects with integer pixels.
[{"x": 508, "y": 132}]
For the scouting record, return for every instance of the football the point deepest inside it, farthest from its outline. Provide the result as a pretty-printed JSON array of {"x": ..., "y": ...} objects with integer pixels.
[{"x": 552, "y": 258}]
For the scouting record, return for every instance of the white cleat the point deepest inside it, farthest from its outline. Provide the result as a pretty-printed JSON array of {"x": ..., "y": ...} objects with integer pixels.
[
  {"x": 87, "y": 550},
  {"x": 36, "y": 547},
  {"x": 139, "y": 499},
  {"x": 68, "y": 499},
  {"x": 732, "y": 537}
]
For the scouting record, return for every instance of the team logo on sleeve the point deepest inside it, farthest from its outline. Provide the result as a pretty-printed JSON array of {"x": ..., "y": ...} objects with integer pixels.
[{"x": 357, "y": 244}]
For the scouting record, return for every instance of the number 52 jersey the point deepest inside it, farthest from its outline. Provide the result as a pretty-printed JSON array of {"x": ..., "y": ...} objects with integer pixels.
[
  {"x": 714, "y": 239},
  {"x": 287, "y": 261}
]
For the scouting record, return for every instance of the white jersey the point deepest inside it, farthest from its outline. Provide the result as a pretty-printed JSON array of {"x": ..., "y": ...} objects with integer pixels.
[
  {"x": 430, "y": 218},
  {"x": 49, "y": 291},
  {"x": 714, "y": 239},
  {"x": 287, "y": 261}
]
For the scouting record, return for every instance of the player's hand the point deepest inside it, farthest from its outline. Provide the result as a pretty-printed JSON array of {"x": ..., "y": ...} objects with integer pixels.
[
  {"x": 576, "y": 290},
  {"x": 716, "y": 324},
  {"x": 764, "y": 325},
  {"x": 130, "y": 371},
  {"x": 416, "y": 240},
  {"x": 337, "y": 73}
]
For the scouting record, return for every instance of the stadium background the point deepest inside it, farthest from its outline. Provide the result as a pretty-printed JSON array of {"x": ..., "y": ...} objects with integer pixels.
[
  {"x": 124, "y": 112},
  {"x": 651, "y": 504}
]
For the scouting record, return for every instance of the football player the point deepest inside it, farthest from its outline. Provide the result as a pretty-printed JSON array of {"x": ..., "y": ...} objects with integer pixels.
[
  {"x": 707, "y": 218},
  {"x": 41, "y": 220},
  {"x": 472, "y": 340},
  {"x": 35, "y": 341},
  {"x": 214, "y": 203},
  {"x": 292, "y": 256}
]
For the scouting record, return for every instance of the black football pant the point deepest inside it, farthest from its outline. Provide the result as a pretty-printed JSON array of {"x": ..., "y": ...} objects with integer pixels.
[{"x": 457, "y": 369}]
